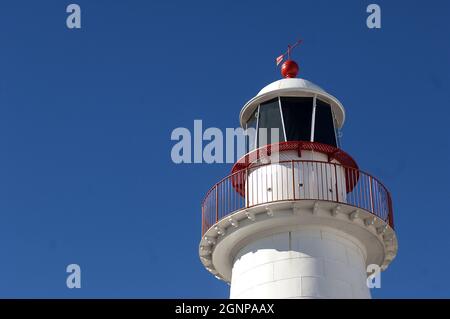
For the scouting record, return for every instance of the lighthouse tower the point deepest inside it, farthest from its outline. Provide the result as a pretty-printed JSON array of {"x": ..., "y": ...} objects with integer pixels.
[{"x": 297, "y": 217}]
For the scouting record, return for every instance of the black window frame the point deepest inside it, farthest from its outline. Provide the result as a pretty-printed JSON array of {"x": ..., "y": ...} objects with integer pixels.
[{"x": 312, "y": 115}]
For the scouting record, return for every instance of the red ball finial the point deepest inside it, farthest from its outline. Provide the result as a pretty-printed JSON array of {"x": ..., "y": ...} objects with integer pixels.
[{"x": 289, "y": 69}]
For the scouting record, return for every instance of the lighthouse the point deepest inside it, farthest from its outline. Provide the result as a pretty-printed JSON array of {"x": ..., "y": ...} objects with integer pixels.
[{"x": 296, "y": 217}]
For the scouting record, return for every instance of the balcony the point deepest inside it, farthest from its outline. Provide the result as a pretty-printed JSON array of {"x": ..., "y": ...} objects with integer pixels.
[{"x": 296, "y": 180}]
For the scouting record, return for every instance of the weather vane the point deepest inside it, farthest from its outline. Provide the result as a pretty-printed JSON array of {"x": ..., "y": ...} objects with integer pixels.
[{"x": 290, "y": 68}]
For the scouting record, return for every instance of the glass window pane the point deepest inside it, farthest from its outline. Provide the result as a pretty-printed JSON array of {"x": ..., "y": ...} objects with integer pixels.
[
  {"x": 269, "y": 119},
  {"x": 251, "y": 131},
  {"x": 324, "y": 129},
  {"x": 297, "y": 116}
]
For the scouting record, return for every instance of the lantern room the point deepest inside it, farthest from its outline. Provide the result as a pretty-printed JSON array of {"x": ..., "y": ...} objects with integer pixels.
[{"x": 292, "y": 109}]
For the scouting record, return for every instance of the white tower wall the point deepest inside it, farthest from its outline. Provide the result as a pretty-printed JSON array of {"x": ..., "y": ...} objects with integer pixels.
[{"x": 316, "y": 262}]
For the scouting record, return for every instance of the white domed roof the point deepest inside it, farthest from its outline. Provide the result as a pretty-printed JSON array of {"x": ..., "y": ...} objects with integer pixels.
[
  {"x": 292, "y": 87},
  {"x": 294, "y": 83}
]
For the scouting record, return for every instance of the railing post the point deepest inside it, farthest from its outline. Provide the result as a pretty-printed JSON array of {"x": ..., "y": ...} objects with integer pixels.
[
  {"x": 293, "y": 179},
  {"x": 203, "y": 221},
  {"x": 390, "y": 213},
  {"x": 217, "y": 203},
  {"x": 371, "y": 194},
  {"x": 247, "y": 194},
  {"x": 336, "y": 182}
]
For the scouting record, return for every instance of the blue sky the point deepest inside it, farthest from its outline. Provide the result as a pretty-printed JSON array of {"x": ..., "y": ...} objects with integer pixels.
[{"x": 86, "y": 116}]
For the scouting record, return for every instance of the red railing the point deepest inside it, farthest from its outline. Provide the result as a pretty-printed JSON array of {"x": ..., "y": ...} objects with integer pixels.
[{"x": 293, "y": 181}]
